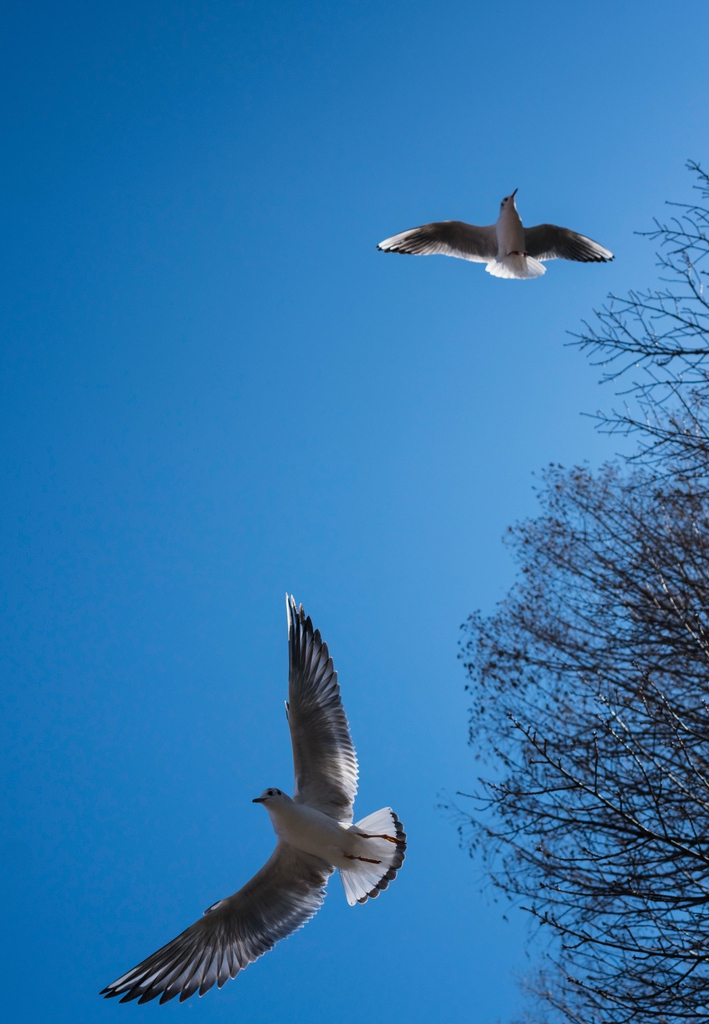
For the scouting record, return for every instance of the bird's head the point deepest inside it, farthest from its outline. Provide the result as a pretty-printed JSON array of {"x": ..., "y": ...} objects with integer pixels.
[
  {"x": 271, "y": 797},
  {"x": 509, "y": 201}
]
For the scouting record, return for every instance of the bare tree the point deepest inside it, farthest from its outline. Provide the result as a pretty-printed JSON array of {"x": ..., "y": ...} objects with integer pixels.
[
  {"x": 660, "y": 339},
  {"x": 590, "y": 683}
]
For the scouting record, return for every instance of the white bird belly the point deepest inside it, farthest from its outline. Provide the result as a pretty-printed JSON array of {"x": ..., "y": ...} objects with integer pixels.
[
  {"x": 510, "y": 238},
  {"x": 316, "y": 833},
  {"x": 510, "y": 233}
]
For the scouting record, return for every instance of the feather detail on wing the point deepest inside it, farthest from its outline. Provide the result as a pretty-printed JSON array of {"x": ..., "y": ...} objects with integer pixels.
[
  {"x": 549, "y": 242},
  {"x": 323, "y": 754},
  {"x": 280, "y": 898},
  {"x": 446, "y": 238}
]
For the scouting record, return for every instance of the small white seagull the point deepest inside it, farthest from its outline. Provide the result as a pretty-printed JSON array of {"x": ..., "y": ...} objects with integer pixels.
[
  {"x": 509, "y": 249},
  {"x": 315, "y": 836}
]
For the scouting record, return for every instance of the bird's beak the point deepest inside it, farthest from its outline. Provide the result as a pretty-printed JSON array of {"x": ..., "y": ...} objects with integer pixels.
[
  {"x": 515, "y": 193},
  {"x": 258, "y": 800}
]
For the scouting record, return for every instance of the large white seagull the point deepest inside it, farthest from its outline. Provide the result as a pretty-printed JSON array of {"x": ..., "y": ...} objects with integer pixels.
[{"x": 315, "y": 836}]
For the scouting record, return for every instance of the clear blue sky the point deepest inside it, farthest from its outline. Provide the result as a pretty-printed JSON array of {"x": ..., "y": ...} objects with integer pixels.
[{"x": 214, "y": 390}]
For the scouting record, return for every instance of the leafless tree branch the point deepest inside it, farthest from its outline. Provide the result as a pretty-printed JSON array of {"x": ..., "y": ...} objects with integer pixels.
[{"x": 590, "y": 682}]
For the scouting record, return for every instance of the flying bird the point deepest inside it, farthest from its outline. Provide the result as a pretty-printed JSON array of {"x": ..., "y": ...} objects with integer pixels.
[
  {"x": 315, "y": 835},
  {"x": 509, "y": 249}
]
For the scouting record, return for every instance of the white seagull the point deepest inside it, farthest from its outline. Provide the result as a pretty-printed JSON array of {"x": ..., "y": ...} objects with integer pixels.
[
  {"x": 315, "y": 836},
  {"x": 509, "y": 249}
]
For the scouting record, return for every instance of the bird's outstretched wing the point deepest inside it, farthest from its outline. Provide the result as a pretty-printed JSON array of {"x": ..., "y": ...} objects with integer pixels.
[
  {"x": 446, "y": 238},
  {"x": 234, "y": 932},
  {"x": 323, "y": 754},
  {"x": 549, "y": 242}
]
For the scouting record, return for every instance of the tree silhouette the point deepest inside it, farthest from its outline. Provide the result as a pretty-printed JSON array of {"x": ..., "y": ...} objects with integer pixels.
[{"x": 590, "y": 682}]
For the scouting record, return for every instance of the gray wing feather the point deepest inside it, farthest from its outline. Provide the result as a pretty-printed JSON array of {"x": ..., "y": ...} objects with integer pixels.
[
  {"x": 446, "y": 238},
  {"x": 324, "y": 757},
  {"x": 280, "y": 898},
  {"x": 549, "y": 242}
]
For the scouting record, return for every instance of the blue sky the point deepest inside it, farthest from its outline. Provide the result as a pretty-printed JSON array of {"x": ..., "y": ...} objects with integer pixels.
[{"x": 214, "y": 390}]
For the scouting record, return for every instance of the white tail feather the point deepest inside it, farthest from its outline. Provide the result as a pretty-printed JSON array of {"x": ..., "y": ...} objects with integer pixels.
[
  {"x": 382, "y": 822},
  {"x": 514, "y": 266},
  {"x": 366, "y": 880}
]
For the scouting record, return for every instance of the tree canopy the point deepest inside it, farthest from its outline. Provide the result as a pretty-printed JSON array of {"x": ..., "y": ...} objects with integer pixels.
[{"x": 590, "y": 681}]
